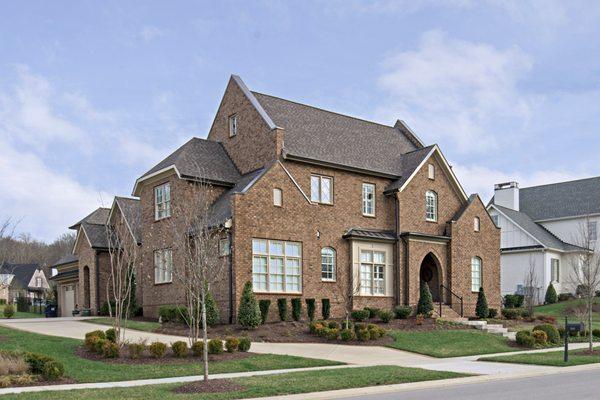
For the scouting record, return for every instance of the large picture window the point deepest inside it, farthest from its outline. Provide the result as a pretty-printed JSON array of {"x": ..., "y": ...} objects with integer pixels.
[
  {"x": 276, "y": 266},
  {"x": 475, "y": 274},
  {"x": 162, "y": 201},
  {"x": 368, "y": 202},
  {"x": 328, "y": 264},
  {"x": 431, "y": 206},
  {"x": 321, "y": 189},
  {"x": 163, "y": 266},
  {"x": 372, "y": 272}
]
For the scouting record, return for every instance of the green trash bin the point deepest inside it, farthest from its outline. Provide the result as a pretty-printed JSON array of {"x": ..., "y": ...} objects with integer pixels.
[{"x": 86, "y": 312}]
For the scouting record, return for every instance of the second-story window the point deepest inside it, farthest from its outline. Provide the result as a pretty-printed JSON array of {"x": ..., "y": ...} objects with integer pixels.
[
  {"x": 476, "y": 224},
  {"x": 431, "y": 206},
  {"x": 431, "y": 171},
  {"x": 277, "y": 197},
  {"x": 368, "y": 199},
  {"x": 162, "y": 201},
  {"x": 321, "y": 189},
  {"x": 233, "y": 125}
]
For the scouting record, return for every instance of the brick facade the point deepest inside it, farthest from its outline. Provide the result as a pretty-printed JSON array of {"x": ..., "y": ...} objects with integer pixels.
[{"x": 94, "y": 270}]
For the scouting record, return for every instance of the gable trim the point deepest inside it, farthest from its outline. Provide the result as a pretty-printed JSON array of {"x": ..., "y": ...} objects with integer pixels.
[
  {"x": 254, "y": 102},
  {"x": 520, "y": 227},
  {"x": 294, "y": 181},
  {"x": 78, "y": 237},
  {"x": 115, "y": 202},
  {"x": 145, "y": 178}
]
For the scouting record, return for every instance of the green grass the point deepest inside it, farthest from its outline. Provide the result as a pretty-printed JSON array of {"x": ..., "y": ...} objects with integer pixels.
[
  {"x": 83, "y": 370},
  {"x": 20, "y": 314},
  {"x": 450, "y": 343},
  {"x": 553, "y": 358},
  {"x": 262, "y": 386},
  {"x": 145, "y": 326},
  {"x": 557, "y": 310}
]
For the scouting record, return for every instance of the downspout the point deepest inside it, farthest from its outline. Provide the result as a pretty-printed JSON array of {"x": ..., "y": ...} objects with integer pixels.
[
  {"x": 397, "y": 296},
  {"x": 230, "y": 265}
]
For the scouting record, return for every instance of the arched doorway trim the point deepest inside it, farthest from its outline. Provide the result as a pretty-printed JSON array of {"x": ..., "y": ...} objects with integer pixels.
[{"x": 431, "y": 273}]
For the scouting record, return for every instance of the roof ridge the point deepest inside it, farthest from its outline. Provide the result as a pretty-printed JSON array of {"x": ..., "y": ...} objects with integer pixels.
[
  {"x": 324, "y": 110},
  {"x": 420, "y": 148},
  {"x": 561, "y": 183}
]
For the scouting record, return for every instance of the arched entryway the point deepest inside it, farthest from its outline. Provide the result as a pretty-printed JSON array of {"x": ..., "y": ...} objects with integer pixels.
[
  {"x": 86, "y": 287},
  {"x": 430, "y": 273}
]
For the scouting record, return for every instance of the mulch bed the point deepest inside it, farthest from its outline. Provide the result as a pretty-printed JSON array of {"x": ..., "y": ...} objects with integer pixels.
[
  {"x": 82, "y": 352},
  {"x": 210, "y": 386}
]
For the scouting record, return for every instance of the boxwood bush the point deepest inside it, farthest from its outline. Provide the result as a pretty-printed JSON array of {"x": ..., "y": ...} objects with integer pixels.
[
  {"x": 525, "y": 339},
  {"x": 157, "y": 349},
  {"x": 551, "y": 332},
  {"x": 231, "y": 344},
  {"x": 360, "y": 315},
  {"x": 215, "y": 346},
  {"x": 385, "y": 316},
  {"x": 244, "y": 344},
  {"x": 179, "y": 348},
  {"x": 402, "y": 312}
]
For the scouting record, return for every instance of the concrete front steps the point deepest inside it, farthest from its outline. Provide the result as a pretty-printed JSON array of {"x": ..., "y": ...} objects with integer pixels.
[{"x": 496, "y": 329}]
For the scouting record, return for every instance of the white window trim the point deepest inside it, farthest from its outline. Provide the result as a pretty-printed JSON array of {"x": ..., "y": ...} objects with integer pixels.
[
  {"x": 557, "y": 280},
  {"x": 233, "y": 125},
  {"x": 166, "y": 203},
  {"x": 372, "y": 265},
  {"x": 480, "y": 273},
  {"x": 435, "y": 206},
  {"x": 277, "y": 191},
  {"x": 268, "y": 265},
  {"x": 333, "y": 265},
  {"x": 476, "y": 224},
  {"x": 320, "y": 194},
  {"x": 168, "y": 270},
  {"x": 365, "y": 201}
]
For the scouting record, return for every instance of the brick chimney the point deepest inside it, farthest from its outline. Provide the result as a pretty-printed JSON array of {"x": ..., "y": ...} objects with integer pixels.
[{"x": 507, "y": 195}]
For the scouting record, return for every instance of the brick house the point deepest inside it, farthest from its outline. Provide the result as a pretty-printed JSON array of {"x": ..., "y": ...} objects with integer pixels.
[{"x": 314, "y": 203}]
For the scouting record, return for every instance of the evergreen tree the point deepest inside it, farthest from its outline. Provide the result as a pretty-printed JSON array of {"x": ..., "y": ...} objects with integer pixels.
[
  {"x": 249, "y": 312},
  {"x": 212, "y": 310},
  {"x": 551, "y": 296},
  {"x": 425, "y": 305},
  {"x": 481, "y": 310}
]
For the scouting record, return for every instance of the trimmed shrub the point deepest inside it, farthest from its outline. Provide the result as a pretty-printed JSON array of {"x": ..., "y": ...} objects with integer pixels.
[
  {"x": 212, "y": 310},
  {"x": 264, "y": 306},
  {"x": 98, "y": 333},
  {"x": 47, "y": 367},
  {"x": 314, "y": 326},
  {"x": 325, "y": 308},
  {"x": 157, "y": 349},
  {"x": 360, "y": 315},
  {"x": 551, "y": 296},
  {"x": 105, "y": 310},
  {"x": 231, "y": 344},
  {"x": 310, "y": 309},
  {"x": 282, "y": 308},
  {"x": 22, "y": 304},
  {"x": 168, "y": 313},
  {"x": 296, "y": 309},
  {"x": 385, "y": 316},
  {"x": 481, "y": 309},
  {"x": 402, "y": 312},
  {"x": 561, "y": 331},
  {"x": 551, "y": 332},
  {"x": 322, "y": 331},
  {"x": 110, "y": 349},
  {"x": 52, "y": 370},
  {"x": 9, "y": 311},
  {"x": 363, "y": 335},
  {"x": 373, "y": 312},
  {"x": 565, "y": 296},
  {"x": 525, "y": 339},
  {"x": 347, "y": 334},
  {"x": 596, "y": 332},
  {"x": 359, "y": 326},
  {"x": 511, "y": 313},
  {"x": 513, "y": 300},
  {"x": 492, "y": 313},
  {"x": 347, "y": 325},
  {"x": 136, "y": 349},
  {"x": 179, "y": 348},
  {"x": 198, "y": 348},
  {"x": 425, "y": 305},
  {"x": 90, "y": 342},
  {"x": 333, "y": 325},
  {"x": 333, "y": 334},
  {"x": 111, "y": 335},
  {"x": 539, "y": 337},
  {"x": 215, "y": 346},
  {"x": 374, "y": 332},
  {"x": 249, "y": 313},
  {"x": 99, "y": 345},
  {"x": 525, "y": 313},
  {"x": 245, "y": 344}
]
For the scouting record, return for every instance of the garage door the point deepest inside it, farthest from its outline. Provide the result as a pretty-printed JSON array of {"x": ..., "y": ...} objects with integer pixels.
[{"x": 69, "y": 301}]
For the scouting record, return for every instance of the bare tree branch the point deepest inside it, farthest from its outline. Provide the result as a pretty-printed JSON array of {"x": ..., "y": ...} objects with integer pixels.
[{"x": 531, "y": 289}]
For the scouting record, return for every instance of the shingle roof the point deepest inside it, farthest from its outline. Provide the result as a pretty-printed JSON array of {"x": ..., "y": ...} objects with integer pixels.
[
  {"x": 316, "y": 134},
  {"x": 68, "y": 259},
  {"x": 408, "y": 163},
  {"x": 564, "y": 199},
  {"x": 536, "y": 230},
  {"x": 96, "y": 234},
  {"x": 373, "y": 234},
  {"x": 65, "y": 275},
  {"x": 22, "y": 272},
  {"x": 133, "y": 215},
  {"x": 98, "y": 216},
  {"x": 200, "y": 157}
]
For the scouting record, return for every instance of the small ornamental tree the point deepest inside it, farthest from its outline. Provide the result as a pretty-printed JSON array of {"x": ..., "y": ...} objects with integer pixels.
[
  {"x": 551, "y": 296},
  {"x": 212, "y": 310},
  {"x": 310, "y": 309},
  {"x": 425, "y": 305},
  {"x": 249, "y": 312},
  {"x": 325, "y": 308},
  {"x": 481, "y": 309}
]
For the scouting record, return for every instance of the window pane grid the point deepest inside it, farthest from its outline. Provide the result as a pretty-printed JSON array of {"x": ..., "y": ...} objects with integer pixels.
[
  {"x": 162, "y": 201},
  {"x": 327, "y": 264},
  {"x": 372, "y": 272},
  {"x": 321, "y": 189},
  {"x": 163, "y": 266},
  {"x": 431, "y": 206},
  {"x": 368, "y": 199},
  {"x": 475, "y": 274},
  {"x": 276, "y": 266}
]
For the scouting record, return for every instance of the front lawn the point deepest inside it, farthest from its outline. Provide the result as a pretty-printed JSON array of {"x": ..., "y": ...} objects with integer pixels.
[
  {"x": 84, "y": 370},
  {"x": 553, "y": 358},
  {"x": 450, "y": 343},
  {"x": 262, "y": 386},
  {"x": 145, "y": 326},
  {"x": 20, "y": 314},
  {"x": 559, "y": 310}
]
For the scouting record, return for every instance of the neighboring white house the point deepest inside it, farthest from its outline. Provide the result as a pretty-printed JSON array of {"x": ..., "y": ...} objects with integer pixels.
[{"x": 541, "y": 226}]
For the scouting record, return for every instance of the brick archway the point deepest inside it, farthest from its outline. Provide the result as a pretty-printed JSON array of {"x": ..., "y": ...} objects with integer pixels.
[
  {"x": 430, "y": 272},
  {"x": 86, "y": 287}
]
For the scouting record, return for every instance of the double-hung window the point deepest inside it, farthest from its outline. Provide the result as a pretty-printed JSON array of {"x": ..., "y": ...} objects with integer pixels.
[
  {"x": 368, "y": 199},
  {"x": 431, "y": 206},
  {"x": 555, "y": 269},
  {"x": 276, "y": 266},
  {"x": 321, "y": 189},
  {"x": 163, "y": 266},
  {"x": 162, "y": 201},
  {"x": 475, "y": 274},
  {"x": 327, "y": 264},
  {"x": 372, "y": 272}
]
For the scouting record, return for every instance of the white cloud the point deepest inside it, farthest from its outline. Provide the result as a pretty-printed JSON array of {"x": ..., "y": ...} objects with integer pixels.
[
  {"x": 458, "y": 90},
  {"x": 149, "y": 33}
]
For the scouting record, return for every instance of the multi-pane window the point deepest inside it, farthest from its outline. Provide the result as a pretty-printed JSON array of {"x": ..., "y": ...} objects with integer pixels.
[
  {"x": 162, "y": 201},
  {"x": 431, "y": 171},
  {"x": 475, "y": 274},
  {"x": 276, "y": 266},
  {"x": 233, "y": 125},
  {"x": 555, "y": 269},
  {"x": 368, "y": 199},
  {"x": 430, "y": 206},
  {"x": 592, "y": 230},
  {"x": 476, "y": 224},
  {"x": 163, "y": 266},
  {"x": 328, "y": 264},
  {"x": 277, "y": 197},
  {"x": 321, "y": 189},
  {"x": 372, "y": 272}
]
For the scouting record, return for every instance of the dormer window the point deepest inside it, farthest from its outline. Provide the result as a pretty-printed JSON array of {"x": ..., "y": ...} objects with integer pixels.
[
  {"x": 233, "y": 125},
  {"x": 162, "y": 201},
  {"x": 431, "y": 171}
]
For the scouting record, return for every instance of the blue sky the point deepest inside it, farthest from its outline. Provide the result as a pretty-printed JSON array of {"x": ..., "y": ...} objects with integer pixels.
[{"x": 92, "y": 94}]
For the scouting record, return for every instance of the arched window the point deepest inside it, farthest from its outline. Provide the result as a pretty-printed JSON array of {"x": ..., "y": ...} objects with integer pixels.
[
  {"x": 431, "y": 206},
  {"x": 475, "y": 274},
  {"x": 327, "y": 264}
]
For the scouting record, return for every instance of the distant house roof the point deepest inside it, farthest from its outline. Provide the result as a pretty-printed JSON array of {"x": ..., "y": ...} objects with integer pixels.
[
  {"x": 96, "y": 234},
  {"x": 22, "y": 272},
  {"x": 66, "y": 275},
  {"x": 370, "y": 234},
  {"x": 560, "y": 200},
  {"x": 199, "y": 159},
  {"x": 315, "y": 134},
  {"x": 132, "y": 213},
  {"x": 68, "y": 259},
  {"x": 541, "y": 234},
  {"x": 98, "y": 216}
]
